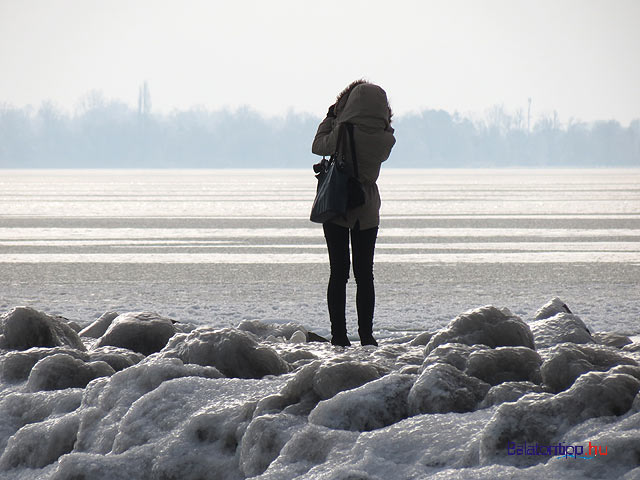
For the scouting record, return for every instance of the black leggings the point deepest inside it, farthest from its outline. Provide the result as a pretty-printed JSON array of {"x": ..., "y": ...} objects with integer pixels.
[{"x": 363, "y": 243}]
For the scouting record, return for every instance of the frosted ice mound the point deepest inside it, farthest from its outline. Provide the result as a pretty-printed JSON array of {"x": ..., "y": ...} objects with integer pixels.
[
  {"x": 142, "y": 332},
  {"x": 489, "y": 326},
  {"x": 194, "y": 402},
  {"x": 235, "y": 353},
  {"x": 25, "y": 327}
]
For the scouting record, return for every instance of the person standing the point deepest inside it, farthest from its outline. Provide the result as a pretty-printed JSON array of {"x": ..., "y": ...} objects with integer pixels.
[{"x": 364, "y": 106}]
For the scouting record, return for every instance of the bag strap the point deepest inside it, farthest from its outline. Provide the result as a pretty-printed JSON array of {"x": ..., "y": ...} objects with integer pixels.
[
  {"x": 353, "y": 149},
  {"x": 339, "y": 148}
]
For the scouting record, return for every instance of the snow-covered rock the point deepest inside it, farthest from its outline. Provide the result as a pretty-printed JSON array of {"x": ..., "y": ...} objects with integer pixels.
[
  {"x": 60, "y": 371},
  {"x": 100, "y": 326},
  {"x": 442, "y": 388},
  {"x": 235, "y": 353},
  {"x": 562, "y": 327},
  {"x": 505, "y": 364},
  {"x": 488, "y": 326},
  {"x": 567, "y": 361},
  {"x": 142, "y": 332},
  {"x": 25, "y": 327},
  {"x": 374, "y": 405}
]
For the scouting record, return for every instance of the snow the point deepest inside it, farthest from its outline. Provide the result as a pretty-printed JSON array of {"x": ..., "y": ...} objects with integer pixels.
[{"x": 262, "y": 401}]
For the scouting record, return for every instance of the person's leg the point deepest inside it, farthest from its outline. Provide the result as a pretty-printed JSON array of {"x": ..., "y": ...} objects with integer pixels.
[
  {"x": 363, "y": 243},
  {"x": 337, "y": 238}
]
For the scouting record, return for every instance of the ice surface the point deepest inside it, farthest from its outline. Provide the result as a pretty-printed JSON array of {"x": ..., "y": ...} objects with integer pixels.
[
  {"x": 24, "y": 327},
  {"x": 142, "y": 332},
  {"x": 299, "y": 410}
]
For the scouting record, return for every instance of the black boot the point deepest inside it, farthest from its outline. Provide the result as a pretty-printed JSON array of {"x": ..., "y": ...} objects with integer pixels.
[
  {"x": 340, "y": 341},
  {"x": 368, "y": 340}
]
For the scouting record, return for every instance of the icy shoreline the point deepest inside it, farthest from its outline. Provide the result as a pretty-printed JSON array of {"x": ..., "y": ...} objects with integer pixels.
[{"x": 142, "y": 396}]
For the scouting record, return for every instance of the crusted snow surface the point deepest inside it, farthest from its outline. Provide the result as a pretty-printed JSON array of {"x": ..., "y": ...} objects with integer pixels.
[{"x": 143, "y": 397}]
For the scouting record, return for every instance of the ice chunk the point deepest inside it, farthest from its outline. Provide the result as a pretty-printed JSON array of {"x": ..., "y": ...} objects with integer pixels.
[
  {"x": 25, "y": 327},
  {"x": 333, "y": 378},
  {"x": 15, "y": 366},
  {"x": 142, "y": 332},
  {"x": 562, "y": 327},
  {"x": 60, "y": 371},
  {"x": 263, "y": 330},
  {"x": 117, "y": 358},
  {"x": 264, "y": 438},
  {"x": 551, "y": 309},
  {"x": 100, "y": 326},
  {"x": 107, "y": 400},
  {"x": 311, "y": 446},
  {"x": 39, "y": 444},
  {"x": 455, "y": 354},
  {"x": 488, "y": 326},
  {"x": 422, "y": 339},
  {"x": 567, "y": 361},
  {"x": 298, "y": 337},
  {"x": 234, "y": 352},
  {"x": 619, "y": 437},
  {"x": 505, "y": 364},
  {"x": 442, "y": 388},
  {"x": 543, "y": 418},
  {"x": 374, "y": 405},
  {"x": 20, "y": 409},
  {"x": 611, "y": 339},
  {"x": 509, "y": 392}
]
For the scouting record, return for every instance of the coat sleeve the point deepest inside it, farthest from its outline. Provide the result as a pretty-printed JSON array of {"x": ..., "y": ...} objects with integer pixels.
[{"x": 326, "y": 138}]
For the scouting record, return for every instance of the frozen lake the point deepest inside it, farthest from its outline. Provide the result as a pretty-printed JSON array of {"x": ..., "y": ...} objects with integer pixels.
[
  {"x": 494, "y": 393},
  {"x": 221, "y": 246}
]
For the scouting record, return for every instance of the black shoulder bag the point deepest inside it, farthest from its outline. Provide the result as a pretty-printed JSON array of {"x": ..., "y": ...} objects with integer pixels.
[{"x": 337, "y": 190}]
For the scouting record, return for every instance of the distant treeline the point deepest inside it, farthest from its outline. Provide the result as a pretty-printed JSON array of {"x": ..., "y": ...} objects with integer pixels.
[{"x": 112, "y": 135}]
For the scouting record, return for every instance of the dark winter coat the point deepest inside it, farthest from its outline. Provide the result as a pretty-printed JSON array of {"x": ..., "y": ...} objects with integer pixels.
[{"x": 368, "y": 110}]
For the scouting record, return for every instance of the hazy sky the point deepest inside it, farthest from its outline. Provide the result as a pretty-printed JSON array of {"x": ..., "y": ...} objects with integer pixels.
[{"x": 577, "y": 57}]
